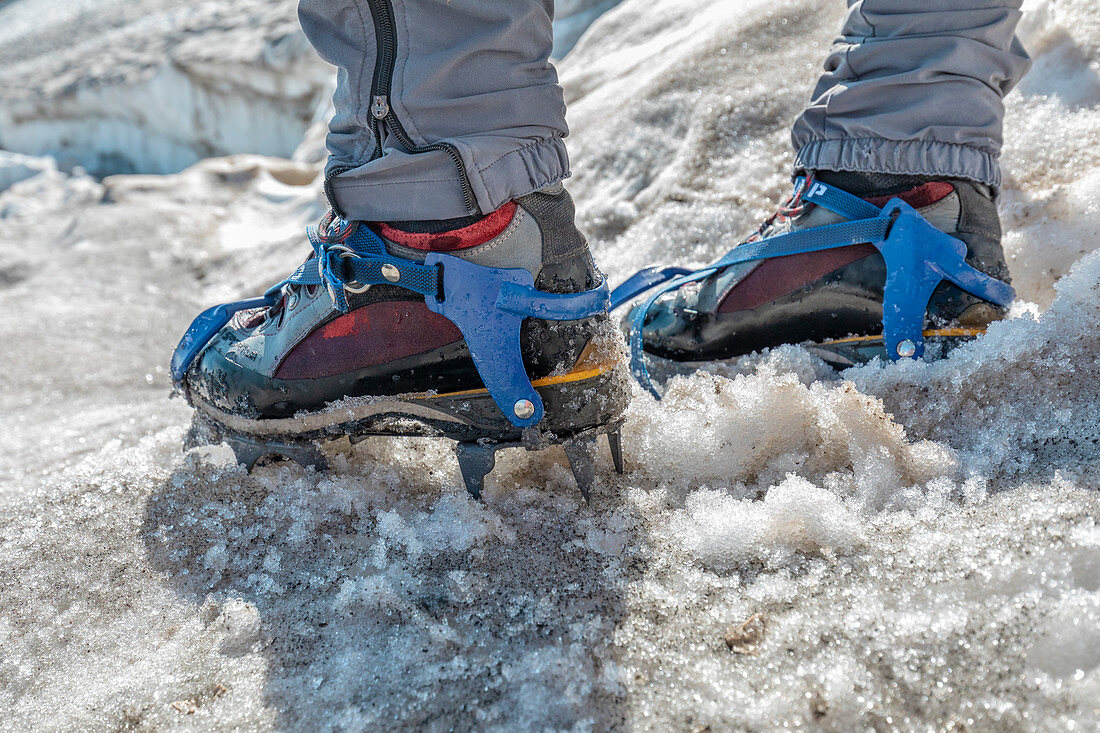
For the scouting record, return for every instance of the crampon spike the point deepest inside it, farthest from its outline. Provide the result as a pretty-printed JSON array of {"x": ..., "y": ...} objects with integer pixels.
[
  {"x": 475, "y": 461},
  {"x": 582, "y": 459},
  {"x": 615, "y": 443},
  {"x": 249, "y": 452}
]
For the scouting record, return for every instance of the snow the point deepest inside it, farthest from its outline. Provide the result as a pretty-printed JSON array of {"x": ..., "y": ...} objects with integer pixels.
[
  {"x": 895, "y": 547},
  {"x": 156, "y": 85}
]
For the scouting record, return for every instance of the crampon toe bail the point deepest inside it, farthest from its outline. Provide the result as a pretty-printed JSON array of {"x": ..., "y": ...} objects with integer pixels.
[
  {"x": 204, "y": 328},
  {"x": 918, "y": 258}
]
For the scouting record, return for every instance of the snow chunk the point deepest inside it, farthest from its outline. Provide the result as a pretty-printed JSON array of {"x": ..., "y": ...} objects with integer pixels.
[
  {"x": 748, "y": 433},
  {"x": 794, "y": 517},
  {"x": 454, "y": 524},
  {"x": 239, "y": 624},
  {"x": 15, "y": 168},
  {"x": 1068, "y": 644}
]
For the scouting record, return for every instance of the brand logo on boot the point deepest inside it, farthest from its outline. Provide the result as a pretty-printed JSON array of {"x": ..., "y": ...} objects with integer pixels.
[{"x": 242, "y": 349}]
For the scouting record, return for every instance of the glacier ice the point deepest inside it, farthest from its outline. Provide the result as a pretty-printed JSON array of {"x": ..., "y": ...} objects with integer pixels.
[{"x": 157, "y": 85}]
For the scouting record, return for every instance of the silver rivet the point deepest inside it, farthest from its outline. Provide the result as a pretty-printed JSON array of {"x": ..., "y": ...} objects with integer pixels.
[
  {"x": 391, "y": 273},
  {"x": 524, "y": 409},
  {"x": 906, "y": 348}
]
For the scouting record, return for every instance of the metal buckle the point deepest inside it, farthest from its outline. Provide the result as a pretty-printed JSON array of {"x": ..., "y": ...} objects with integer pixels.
[{"x": 346, "y": 253}]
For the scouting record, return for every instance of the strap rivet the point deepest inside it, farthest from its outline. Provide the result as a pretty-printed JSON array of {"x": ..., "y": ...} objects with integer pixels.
[
  {"x": 391, "y": 273},
  {"x": 906, "y": 348},
  {"x": 524, "y": 409}
]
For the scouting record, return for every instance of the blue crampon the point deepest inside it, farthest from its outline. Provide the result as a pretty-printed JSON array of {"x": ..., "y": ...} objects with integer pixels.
[
  {"x": 487, "y": 304},
  {"x": 918, "y": 258}
]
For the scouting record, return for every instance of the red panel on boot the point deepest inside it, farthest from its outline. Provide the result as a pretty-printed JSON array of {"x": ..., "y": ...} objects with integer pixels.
[
  {"x": 919, "y": 197},
  {"x": 370, "y": 335},
  {"x": 781, "y": 276},
  {"x": 477, "y": 233}
]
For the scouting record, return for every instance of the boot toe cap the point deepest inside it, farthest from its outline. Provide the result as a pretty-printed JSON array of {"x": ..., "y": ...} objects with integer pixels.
[
  {"x": 666, "y": 330},
  {"x": 220, "y": 381}
]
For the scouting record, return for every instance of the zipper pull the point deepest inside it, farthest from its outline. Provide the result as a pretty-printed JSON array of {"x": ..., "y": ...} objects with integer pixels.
[{"x": 380, "y": 108}]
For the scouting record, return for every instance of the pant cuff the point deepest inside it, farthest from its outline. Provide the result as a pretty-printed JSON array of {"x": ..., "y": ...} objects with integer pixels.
[
  {"x": 516, "y": 173},
  {"x": 422, "y": 186},
  {"x": 901, "y": 157}
]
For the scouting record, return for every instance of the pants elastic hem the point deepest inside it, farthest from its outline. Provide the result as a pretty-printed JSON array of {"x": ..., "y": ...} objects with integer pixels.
[
  {"x": 519, "y": 172},
  {"x": 901, "y": 157}
]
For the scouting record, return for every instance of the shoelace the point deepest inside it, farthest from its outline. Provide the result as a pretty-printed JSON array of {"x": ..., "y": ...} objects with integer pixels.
[
  {"x": 792, "y": 208},
  {"x": 331, "y": 233}
]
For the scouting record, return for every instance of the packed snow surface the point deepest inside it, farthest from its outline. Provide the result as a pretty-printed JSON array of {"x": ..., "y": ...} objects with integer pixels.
[{"x": 894, "y": 547}]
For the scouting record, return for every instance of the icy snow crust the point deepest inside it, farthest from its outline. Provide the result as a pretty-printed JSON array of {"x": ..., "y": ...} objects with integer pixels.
[
  {"x": 900, "y": 547},
  {"x": 153, "y": 86}
]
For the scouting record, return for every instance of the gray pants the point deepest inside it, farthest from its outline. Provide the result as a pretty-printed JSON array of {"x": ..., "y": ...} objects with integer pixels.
[
  {"x": 915, "y": 88},
  {"x": 449, "y": 108}
]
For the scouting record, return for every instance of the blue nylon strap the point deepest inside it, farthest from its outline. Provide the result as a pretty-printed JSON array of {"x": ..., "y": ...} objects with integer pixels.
[
  {"x": 358, "y": 260},
  {"x": 837, "y": 201},
  {"x": 800, "y": 242},
  {"x": 365, "y": 240},
  {"x": 637, "y": 322},
  {"x": 807, "y": 240},
  {"x": 410, "y": 275},
  {"x": 918, "y": 258},
  {"x": 642, "y": 281},
  {"x": 307, "y": 274}
]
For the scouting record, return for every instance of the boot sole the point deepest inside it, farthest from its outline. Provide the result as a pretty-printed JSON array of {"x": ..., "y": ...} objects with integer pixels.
[
  {"x": 580, "y": 406},
  {"x": 855, "y": 350},
  {"x": 593, "y": 394}
]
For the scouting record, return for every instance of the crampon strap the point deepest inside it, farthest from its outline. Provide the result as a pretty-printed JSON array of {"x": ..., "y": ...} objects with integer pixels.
[
  {"x": 918, "y": 258},
  {"x": 487, "y": 304}
]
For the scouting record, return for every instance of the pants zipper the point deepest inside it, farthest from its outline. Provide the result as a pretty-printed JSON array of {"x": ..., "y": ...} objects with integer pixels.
[
  {"x": 381, "y": 111},
  {"x": 330, "y": 193}
]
